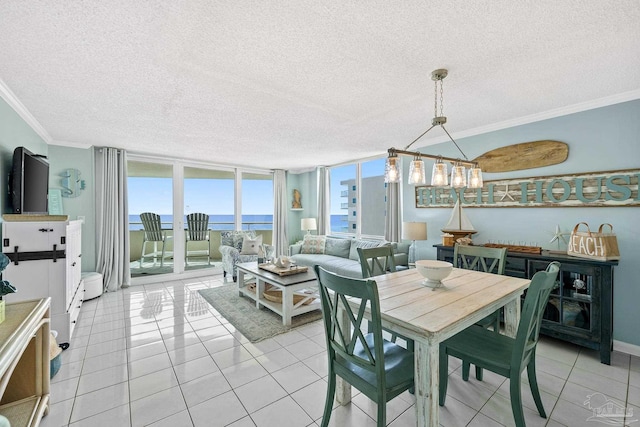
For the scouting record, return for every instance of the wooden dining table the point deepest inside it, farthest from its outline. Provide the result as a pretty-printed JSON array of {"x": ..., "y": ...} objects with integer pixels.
[{"x": 430, "y": 316}]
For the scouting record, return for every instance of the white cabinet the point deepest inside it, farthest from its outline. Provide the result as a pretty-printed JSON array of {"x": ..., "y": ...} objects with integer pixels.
[{"x": 45, "y": 262}]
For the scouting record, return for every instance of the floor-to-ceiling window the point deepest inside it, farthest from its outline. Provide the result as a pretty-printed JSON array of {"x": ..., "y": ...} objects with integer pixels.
[
  {"x": 170, "y": 190},
  {"x": 208, "y": 193},
  {"x": 344, "y": 189},
  {"x": 257, "y": 204},
  {"x": 358, "y": 198},
  {"x": 372, "y": 197},
  {"x": 150, "y": 189}
]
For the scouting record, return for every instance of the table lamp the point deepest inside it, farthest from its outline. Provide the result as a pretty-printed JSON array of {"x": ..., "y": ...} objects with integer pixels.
[
  {"x": 308, "y": 224},
  {"x": 414, "y": 231}
]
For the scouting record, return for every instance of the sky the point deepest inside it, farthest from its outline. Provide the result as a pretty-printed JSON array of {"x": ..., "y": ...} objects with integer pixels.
[
  {"x": 213, "y": 197},
  {"x": 342, "y": 173},
  {"x": 216, "y": 197}
]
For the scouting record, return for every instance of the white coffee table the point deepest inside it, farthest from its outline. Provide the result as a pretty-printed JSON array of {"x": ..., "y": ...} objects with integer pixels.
[{"x": 289, "y": 285}]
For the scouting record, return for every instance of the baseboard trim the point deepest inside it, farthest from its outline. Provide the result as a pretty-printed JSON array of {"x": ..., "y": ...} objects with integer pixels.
[{"x": 625, "y": 347}]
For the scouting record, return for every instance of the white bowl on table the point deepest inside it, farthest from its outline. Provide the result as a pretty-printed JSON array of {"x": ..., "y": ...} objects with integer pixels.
[{"x": 433, "y": 271}]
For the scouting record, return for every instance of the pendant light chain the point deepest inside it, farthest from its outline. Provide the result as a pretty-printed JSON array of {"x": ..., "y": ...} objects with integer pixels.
[
  {"x": 435, "y": 98},
  {"x": 441, "y": 97}
]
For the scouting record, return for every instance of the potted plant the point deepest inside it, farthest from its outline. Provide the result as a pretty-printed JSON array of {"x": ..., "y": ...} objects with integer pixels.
[{"x": 5, "y": 286}]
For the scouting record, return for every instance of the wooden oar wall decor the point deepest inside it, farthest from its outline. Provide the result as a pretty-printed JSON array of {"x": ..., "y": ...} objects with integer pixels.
[{"x": 527, "y": 155}]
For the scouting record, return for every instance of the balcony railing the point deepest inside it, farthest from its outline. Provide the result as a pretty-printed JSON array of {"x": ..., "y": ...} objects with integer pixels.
[
  {"x": 136, "y": 238},
  {"x": 214, "y": 226}
]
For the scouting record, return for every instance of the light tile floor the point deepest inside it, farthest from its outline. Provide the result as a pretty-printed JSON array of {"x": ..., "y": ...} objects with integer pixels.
[{"x": 159, "y": 355}]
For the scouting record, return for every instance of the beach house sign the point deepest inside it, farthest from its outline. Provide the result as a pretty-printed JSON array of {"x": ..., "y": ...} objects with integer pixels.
[{"x": 593, "y": 189}]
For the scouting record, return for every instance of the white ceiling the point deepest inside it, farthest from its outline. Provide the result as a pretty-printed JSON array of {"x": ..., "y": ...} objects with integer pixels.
[{"x": 294, "y": 84}]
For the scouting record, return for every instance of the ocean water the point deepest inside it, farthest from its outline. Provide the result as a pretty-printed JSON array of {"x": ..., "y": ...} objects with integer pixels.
[{"x": 225, "y": 222}]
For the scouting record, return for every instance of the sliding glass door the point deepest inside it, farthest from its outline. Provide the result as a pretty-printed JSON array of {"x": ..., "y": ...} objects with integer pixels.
[
  {"x": 257, "y": 204},
  {"x": 209, "y": 207},
  {"x": 150, "y": 187},
  {"x": 177, "y": 211}
]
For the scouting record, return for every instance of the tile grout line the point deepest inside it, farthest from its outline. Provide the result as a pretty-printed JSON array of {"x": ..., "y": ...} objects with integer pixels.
[{"x": 113, "y": 307}]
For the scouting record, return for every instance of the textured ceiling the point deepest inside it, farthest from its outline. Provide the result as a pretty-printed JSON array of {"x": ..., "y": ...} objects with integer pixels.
[{"x": 294, "y": 84}]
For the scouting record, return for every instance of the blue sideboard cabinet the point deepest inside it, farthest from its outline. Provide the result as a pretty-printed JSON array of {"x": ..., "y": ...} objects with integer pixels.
[{"x": 580, "y": 307}]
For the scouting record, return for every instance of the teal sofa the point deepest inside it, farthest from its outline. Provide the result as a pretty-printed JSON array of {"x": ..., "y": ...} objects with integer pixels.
[{"x": 340, "y": 255}]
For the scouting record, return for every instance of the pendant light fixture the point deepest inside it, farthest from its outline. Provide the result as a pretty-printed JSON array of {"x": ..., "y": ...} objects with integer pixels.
[
  {"x": 439, "y": 174},
  {"x": 470, "y": 179},
  {"x": 474, "y": 180},
  {"x": 458, "y": 176},
  {"x": 392, "y": 169},
  {"x": 417, "y": 175}
]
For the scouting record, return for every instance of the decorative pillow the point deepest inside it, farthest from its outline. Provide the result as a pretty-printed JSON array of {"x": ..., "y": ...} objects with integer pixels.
[
  {"x": 250, "y": 246},
  {"x": 337, "y": 247},
  {"x": 238, "y": 238},
  {"x": 364, "y": 244},
  {"x": 313, "y": 244}
]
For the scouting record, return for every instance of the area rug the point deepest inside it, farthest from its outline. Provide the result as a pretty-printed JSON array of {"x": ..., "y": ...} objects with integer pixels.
[{"x": 242, "y": 313}]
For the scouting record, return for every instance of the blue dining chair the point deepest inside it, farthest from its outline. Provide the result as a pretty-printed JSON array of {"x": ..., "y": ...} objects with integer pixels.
[
  {"x": 380, "y": 369},
  {"x": 377, "y": 261},
  {"x": 504, "y": 355},
  {"x": 489, "y": 260}
]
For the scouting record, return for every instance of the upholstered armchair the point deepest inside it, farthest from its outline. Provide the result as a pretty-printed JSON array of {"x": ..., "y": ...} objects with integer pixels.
[{"x": 239, "y": 246}]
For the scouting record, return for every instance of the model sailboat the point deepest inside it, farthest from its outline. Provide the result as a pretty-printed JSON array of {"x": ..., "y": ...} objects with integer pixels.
[{"x": 459, "y": 225}]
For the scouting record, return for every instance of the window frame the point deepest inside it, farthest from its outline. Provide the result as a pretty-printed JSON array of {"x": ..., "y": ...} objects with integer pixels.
[{"x": 358, "y": 203}]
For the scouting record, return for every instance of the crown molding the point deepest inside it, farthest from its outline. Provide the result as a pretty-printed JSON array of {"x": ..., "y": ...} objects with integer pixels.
[
  {"x": 557, "y": 112},
  {"x": 143, "y": 156},
  {"x": 13, "y": 101},
  {"x": 302, "y": 170},
  {"x": 70, "y": 144},
  {"x": 532, "y": 118}
]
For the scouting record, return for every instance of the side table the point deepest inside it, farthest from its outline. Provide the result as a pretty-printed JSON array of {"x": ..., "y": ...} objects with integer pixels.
[{"x": 24, "y": 362}]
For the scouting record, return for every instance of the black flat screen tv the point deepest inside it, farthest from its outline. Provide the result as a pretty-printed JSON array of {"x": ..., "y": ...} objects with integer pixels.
[{"x": 29, "y": 183}]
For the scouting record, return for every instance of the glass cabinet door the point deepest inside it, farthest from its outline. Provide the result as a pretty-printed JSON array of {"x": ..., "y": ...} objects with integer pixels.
[{"x": 571, "y": 303}]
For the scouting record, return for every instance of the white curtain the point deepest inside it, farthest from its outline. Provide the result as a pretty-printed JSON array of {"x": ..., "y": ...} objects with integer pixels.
[
  {"x": 324, "y": 226},
  {"x": 112, "y": 220},
  {"x": 280, "y": 240},
  {"x": 393, "y": 214}
]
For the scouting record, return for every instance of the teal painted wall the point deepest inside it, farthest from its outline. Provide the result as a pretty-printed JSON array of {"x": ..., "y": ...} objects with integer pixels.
[
  {"x": 602, "y": 139},
  {"x": 306, "y": 184},
  {"x": 14, "y": 132},
  {"x": 61, "y": 158}
]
